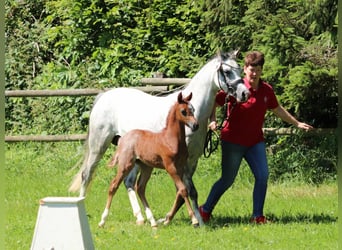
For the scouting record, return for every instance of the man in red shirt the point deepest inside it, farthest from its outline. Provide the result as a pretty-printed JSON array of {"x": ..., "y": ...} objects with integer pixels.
[{"x": 242, "y": 137}]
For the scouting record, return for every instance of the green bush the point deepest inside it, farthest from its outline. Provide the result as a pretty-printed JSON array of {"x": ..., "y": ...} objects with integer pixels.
[{"x": 312, "y": 159}]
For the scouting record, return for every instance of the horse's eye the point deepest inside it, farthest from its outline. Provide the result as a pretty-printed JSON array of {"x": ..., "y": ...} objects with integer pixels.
[
  {"x": 184, "y": 112},
  {"x": 228, "y": 73}
]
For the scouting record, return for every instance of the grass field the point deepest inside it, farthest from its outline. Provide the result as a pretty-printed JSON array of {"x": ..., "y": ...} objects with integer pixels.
[{"x": 303, "y": 216}]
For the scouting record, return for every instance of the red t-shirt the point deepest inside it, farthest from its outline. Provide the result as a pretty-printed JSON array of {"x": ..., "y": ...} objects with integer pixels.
[{"x": 246, "y": 119}]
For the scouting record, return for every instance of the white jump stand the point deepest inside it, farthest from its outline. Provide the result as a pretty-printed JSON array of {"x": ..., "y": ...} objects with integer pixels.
[{"x": 62, "y": 223}]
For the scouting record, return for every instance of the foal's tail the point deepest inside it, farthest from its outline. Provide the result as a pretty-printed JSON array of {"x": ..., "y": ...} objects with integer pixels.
[
  {"x": 114, "y": 160},
  {"x": 77, "y": 180}
]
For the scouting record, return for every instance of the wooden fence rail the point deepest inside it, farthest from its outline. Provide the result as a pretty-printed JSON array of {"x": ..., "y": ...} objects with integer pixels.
[
  {"x": 151, "y": 85},
  {"x": 82, "y": 137},
  {"x": 155, "y": 85}
]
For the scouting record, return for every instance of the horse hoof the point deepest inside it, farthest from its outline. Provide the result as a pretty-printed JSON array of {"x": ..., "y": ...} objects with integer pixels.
[
  {"x": 101, "y": 224},
  {"x": 195, "y": 222},
  {"x": 153, "y": 223},
  {"x": 196, "y": 225}
]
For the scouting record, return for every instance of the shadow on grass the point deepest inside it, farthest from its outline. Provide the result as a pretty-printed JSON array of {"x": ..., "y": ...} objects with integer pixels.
[{"x": 219, "y": 221}]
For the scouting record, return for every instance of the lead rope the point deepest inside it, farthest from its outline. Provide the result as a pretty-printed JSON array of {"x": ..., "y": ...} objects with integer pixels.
[{"x": 212, "y": 138}]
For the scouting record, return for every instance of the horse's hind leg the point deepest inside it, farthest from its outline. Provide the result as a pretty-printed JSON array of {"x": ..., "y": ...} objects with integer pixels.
[
  {"x": 91, "y": 163},
  {"x": 145, "y": 175},
  {"x": 97, "y": 145},
  {"x": 130, "y": 182}
]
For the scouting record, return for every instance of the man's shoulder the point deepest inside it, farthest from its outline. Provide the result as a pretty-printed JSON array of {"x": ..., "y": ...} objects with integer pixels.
[{"x": 266, "y": 85}]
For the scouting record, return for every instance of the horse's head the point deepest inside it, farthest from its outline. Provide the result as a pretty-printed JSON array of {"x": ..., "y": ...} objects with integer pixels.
[
  {"x": 229, "y": 78},
  {"x": 186, "y": 112}
]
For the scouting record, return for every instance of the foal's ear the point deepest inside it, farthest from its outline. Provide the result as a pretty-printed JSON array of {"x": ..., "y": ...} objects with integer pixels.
[
  {"x": 180, "y": 97},
  {"x": 188, "y": 98}
]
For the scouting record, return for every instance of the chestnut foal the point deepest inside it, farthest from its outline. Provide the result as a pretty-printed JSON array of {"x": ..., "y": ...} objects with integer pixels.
[{"x": 166, "y": 150}]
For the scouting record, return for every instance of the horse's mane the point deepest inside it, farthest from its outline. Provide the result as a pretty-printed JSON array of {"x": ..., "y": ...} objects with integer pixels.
[
  {"x": 168, "y": 92},
  {"x": 219, "y": 54}
]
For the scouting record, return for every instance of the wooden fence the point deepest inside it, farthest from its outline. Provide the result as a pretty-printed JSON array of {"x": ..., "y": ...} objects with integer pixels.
[{"x": 152, "y": 85}]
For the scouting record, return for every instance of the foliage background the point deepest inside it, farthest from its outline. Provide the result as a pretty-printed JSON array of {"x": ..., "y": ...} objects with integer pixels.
[{"x": 110, "y": 43}]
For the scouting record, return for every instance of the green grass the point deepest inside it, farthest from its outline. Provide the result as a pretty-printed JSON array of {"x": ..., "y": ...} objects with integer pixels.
[{"x": 304, "y": 216}]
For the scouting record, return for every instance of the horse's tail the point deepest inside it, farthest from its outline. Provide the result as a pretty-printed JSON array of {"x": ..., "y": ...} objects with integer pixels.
[{"x": 77, "y": 180}]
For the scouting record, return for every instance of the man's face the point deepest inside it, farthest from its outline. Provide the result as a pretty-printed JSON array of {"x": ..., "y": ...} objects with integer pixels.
[{"x": 252, "y": 74}]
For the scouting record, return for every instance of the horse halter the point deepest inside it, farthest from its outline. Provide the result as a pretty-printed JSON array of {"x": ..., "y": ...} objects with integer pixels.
[
  {"x": 212, "y": 138},
  {"x": 229, "y": 83}
]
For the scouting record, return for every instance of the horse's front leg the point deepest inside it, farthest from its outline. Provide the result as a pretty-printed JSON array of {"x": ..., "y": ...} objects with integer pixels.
[
  {"x": 129, "y": 182},
  {"x": 194, "y": 197},
  {"x": 145, "y": 175}
]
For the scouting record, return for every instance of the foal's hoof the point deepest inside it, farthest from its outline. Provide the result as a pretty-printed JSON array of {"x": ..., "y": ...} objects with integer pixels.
[
  {"x": 161, "y": 221},
  {"x": 166, "y": 223},
  {"x": 140, "y": 222},
  {"x": 101, "y": 224}
]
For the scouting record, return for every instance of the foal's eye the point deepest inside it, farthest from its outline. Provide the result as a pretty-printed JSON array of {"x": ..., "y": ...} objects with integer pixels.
[{"x": 184, "y": 112}]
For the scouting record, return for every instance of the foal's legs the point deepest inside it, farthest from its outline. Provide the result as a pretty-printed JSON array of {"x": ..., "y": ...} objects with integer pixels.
[
  {"x": 179, "y": 201},
  {"x": 181, "y": 193},
  {"x": 145, "y": 175},
  {"x": 114, "y": 185}
]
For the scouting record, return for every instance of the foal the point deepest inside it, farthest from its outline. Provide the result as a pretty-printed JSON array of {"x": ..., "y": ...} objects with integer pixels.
[{"x": 166, "y": 150}]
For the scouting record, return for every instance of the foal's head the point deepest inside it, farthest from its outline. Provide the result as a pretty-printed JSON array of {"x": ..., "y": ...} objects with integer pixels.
[{"x": 185, "y": 112}]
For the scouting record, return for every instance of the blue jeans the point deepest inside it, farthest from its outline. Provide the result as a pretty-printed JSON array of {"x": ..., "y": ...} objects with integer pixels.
[{"x": 232, "y": 155}]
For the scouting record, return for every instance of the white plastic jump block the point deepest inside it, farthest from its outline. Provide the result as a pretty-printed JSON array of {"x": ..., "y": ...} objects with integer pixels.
[{"x": 62, "y": 223}]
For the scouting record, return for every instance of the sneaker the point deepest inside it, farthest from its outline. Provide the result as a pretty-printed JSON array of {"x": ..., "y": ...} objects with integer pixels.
[
  {"x": 205, "y": 215},
  {"x": 259, "y": 220}
]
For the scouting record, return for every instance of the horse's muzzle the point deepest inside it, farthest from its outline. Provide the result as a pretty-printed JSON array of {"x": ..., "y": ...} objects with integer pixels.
[
  {"x": 242, "y": 93},
  {"x": 245, "y": 95},
  {"x": 194, "y": 126}
]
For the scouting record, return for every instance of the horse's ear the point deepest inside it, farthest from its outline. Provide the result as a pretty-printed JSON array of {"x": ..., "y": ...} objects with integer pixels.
[
  {"x": 219, "y": 59},
  {"x": 236, "y": 53},
  {"x": 219, "y": 53}
]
